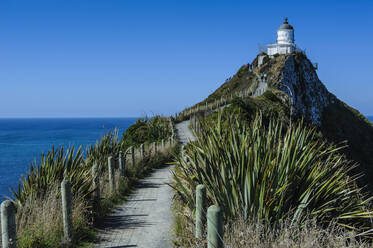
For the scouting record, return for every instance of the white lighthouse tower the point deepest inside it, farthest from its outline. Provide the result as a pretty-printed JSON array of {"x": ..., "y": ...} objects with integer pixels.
[{"x": 285, "y": 40}]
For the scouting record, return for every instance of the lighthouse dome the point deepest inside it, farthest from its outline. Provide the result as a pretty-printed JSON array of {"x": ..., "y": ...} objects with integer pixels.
[
  {"x": 285, "y": 34},
  {"x": 286, "y": 25}
]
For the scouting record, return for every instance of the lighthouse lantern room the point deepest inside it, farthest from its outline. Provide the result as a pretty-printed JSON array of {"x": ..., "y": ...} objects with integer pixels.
[{"x": 285, "y": 40}]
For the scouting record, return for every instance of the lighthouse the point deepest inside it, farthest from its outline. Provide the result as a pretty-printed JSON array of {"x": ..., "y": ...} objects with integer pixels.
[{"x": 285, "y": 40}]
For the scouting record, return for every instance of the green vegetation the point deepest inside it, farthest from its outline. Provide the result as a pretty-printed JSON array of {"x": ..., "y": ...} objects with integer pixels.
[
  {"x": 98, "y": 153},
  {"x": 343, "y": 123},
  {"x": 268, "y": 173},
  {"x": 241, "y": 81},
  {"x": 54, "y": 166},
  {"x": 146, "y": 131},
  {"x": 250, "y": 233},
  {"x": 38, "y": 200},
  {"x": 270, "y": 104}
]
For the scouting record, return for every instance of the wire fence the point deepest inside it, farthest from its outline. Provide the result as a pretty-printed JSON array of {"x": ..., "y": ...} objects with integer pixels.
[{"x": 258, "y": 87}]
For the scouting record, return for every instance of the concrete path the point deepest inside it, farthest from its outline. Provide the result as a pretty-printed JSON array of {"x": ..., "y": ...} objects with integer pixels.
[
  {"x": 184, "y": 133},
  {"x": 262, "y": 86},
  {"x": 145, "y": 219}
]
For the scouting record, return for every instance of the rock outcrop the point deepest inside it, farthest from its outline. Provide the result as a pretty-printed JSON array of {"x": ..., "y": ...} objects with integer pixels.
[{"x": 295, "y": 75}]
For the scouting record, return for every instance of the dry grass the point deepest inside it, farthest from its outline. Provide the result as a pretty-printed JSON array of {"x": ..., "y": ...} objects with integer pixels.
[
  {"x": 310, "y": 235},
  {"x": 39, "y": 222},
  {"x": 246, "y": 234}
]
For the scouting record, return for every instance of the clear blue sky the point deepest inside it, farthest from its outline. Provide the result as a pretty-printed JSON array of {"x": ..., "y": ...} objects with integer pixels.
[{"x": 109, "y": 58}]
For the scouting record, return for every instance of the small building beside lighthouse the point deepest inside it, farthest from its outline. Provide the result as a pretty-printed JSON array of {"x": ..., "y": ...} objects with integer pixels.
[{"x": 285, "y": 40}]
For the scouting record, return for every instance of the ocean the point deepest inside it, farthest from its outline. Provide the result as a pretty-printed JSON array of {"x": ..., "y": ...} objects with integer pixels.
[{"x": 23, "y": 140}]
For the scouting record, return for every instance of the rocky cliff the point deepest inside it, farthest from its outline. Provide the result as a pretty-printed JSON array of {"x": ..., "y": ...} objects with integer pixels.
[{"x": 295, "y": 75}]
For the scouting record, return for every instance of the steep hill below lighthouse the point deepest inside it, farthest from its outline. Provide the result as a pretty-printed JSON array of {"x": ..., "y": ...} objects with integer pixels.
[{"x": 293, "y": 81}]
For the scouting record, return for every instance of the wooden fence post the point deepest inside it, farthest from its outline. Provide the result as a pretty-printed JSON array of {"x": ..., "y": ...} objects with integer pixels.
[
  {"x": 122, "y": 164},
  {"x": 200, "y": 216},
  {"x": 111, "y": 174},
  {"x": 162, "y": 144},
  {"x": 96, "y": 186},
  {"x": 67, "y": 212},
  {"x": 214, "y": 227},
  {"x": 133, "y": 155},
  {"x": 198, "y": 127},
  {"x": 8, "y": 224},
  {"x": 142, "y": 149},
  {"x": 155, "y": 147}
]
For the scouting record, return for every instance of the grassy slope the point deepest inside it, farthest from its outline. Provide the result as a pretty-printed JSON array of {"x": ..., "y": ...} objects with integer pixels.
[
  {"x": 243, "y": 79},
  {"x": 340, "y": 123},
  {"x": 146, "y": 130}
]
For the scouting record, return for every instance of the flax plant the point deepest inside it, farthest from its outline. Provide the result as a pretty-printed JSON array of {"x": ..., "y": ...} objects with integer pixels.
[
  {"x": 271, "y": 173},
  {"x": 108, "y": 145},
  {"x": 54, "y": 166}
]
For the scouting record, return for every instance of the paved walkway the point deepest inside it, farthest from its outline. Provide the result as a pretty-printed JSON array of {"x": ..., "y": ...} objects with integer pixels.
[
  {"x": 262, "y": 86},
  {"x": 184, "y": 133},
  {"x": 145, "y": 219}
]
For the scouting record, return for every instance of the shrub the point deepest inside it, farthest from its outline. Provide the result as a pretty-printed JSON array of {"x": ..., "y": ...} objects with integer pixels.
[
  {"x": 109, "y": 145},
  {"x": 54, "y": 166},
  {"x": 146, "y": 130}
]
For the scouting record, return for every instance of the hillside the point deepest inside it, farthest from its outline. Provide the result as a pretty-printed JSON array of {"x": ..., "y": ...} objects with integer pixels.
[{"x": 293, "y": 79}]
